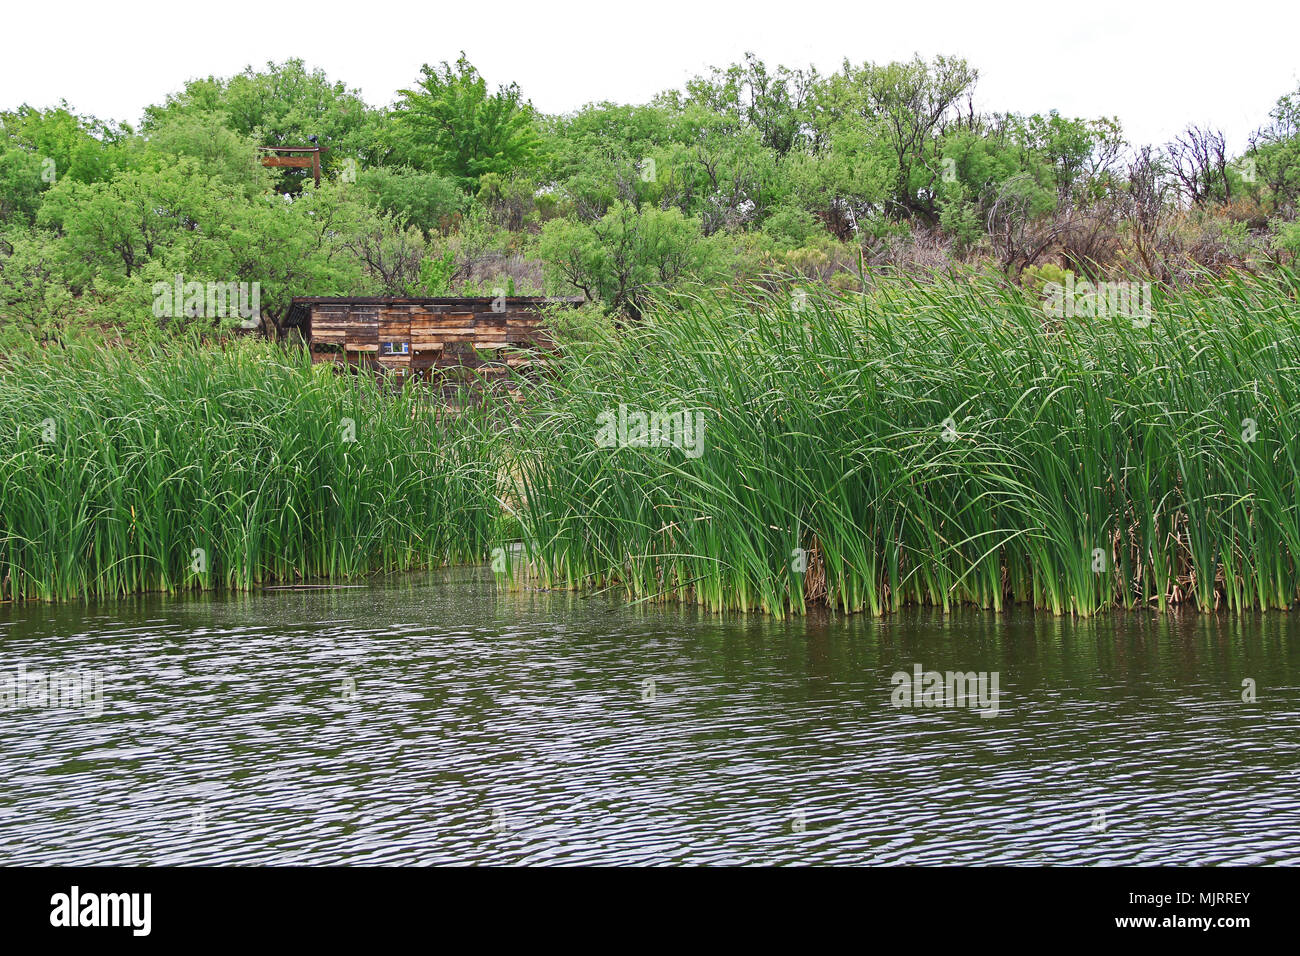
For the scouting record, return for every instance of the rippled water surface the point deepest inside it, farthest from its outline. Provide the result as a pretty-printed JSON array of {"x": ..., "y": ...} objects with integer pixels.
[{"x": 434, "y": 720}]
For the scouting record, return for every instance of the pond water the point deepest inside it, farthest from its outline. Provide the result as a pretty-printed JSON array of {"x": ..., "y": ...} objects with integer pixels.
[{"x": 433, "y": 719}]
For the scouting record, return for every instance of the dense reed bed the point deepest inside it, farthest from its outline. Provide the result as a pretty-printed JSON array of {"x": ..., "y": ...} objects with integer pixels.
[
  {"x": 934, "y": 443},
  {"x": 227, "y": 466}
]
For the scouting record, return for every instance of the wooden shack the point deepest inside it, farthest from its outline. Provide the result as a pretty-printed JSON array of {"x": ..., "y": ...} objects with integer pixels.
[{"x": 422, "y": 339}]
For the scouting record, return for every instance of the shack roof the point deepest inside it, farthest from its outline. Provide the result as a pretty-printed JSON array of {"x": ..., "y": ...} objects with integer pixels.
[{"x": 300, "y": 306}]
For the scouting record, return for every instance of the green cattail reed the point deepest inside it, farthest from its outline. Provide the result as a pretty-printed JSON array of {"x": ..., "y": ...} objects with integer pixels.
[
  {"x": 935, "y": 443},
  {"x": 227, "y": 466}
]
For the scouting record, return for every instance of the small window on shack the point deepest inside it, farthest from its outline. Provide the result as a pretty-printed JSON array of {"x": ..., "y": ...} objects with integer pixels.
[{"x": 395, "y": 348}]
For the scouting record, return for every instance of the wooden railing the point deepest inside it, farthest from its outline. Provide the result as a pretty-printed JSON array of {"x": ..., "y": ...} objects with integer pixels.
[{"x": 310, "y": 161}]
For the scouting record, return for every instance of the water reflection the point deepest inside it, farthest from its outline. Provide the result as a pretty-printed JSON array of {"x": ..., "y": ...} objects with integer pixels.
[{"x": 433, "y": 720}]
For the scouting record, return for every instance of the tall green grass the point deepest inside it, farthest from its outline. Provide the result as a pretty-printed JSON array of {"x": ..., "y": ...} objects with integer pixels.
[
  {"x": 1086, "y": 463},
  {"x": 230, "y": 466}
]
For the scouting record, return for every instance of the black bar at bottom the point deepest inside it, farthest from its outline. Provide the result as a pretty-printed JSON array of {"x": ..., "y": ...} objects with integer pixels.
[{"x": 336, "y": 905}]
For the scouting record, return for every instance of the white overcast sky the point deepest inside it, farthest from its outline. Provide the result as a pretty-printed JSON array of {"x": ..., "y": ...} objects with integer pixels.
[{"x": 1157, "y": 66}]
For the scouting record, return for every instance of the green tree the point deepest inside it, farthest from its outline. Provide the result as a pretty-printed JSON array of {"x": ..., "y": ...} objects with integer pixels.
[
  {"x": 721, "y": 174},
  {"x": 1079, "y": 152},
  {"x": 449, "y": 123},
  {"x": 111, "y": 229},
  {"x": 23, "y": 178},
  {"x": 221, "y": 153},
  {"x": 34, "y": 295},
  {"x": 282, "y": 105},
  {"x": 79, "y": 147},
  {"x": 846, "y": 182},
  {"x": 625, "y": 255},
  {"x": 771, "y": 101},
  {"x": 428, "y": 201},
  {"x": 603, "y": 153},
  {"x": 909, "y": 106},
  {"x": 1274, "y": 156}
]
